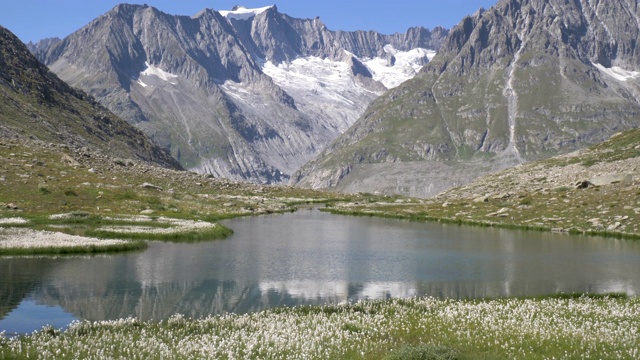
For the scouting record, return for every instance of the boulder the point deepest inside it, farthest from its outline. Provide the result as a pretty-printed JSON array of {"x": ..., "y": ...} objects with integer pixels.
[{"x": 583, "y": 184}]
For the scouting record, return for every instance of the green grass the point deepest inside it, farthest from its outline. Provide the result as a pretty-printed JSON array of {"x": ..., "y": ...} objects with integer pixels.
[
  {"x": 217, "y": 233},
  {"x": 423, "y": 216},
  {"x": 75, "y": 250},
  {"x": 423, "y": 352}
]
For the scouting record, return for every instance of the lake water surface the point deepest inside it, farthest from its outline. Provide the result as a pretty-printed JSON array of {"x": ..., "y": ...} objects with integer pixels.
[{"x": 310, "y": 257}]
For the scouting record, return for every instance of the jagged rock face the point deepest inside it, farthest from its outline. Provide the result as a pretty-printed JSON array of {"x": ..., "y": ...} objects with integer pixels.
[
  {"x": 523, "y": 80},
  {"x": 228, "y": 93},
  {"x": 40, "y": 48},
  {"x": 35, "y": 103}
]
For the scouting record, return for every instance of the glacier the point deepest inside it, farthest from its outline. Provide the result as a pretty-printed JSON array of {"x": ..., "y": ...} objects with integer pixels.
[{"x": 617, "y": 72}]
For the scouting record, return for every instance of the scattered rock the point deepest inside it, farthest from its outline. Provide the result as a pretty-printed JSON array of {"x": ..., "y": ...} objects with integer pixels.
[
  {"x": 69, "y": 160},
  {"x": 150, "y": 186},
  {"x": 504, "y": 212},
  {"x": 92, "y": 170},
  {"x": 614, "y": 226},
  {"x": 147, "y": 212},
  {"x": 481, "y": 199},
  {"x": 583, "y": 184}
]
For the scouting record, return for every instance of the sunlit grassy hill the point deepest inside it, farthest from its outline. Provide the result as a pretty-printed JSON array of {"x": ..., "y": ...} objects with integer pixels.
[
  {"x": 41, "y": 178},
  {"x": 36, "y": 104}
]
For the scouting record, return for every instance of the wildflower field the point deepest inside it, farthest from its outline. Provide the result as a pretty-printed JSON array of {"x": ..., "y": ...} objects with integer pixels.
[{"x": 589, "y": 327}]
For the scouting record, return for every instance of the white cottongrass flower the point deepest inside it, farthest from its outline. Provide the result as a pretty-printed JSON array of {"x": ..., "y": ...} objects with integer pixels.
[
  {"x": 176, "y": 225},
  {"x": 13, "y": 221},
  {"x": 503, "y": 328},
  {"x": 61, "y": 216},
  {"x": 16, "y": 238}
]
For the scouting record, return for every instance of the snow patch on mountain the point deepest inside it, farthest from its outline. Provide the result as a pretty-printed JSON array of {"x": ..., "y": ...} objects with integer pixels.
[
  {"x": 407, "y": 64},
  {"x": 617, "y": 73},
  {"x": 154, "y": 71},
  {"x": 322, "y": 88},
  {"x": 242, "y": 13}
]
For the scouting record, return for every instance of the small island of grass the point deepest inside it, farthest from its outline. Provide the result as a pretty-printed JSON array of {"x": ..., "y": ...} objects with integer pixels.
[{"x": 75, "y": 233}]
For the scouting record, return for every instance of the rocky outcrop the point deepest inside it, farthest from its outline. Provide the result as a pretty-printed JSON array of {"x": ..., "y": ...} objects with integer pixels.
[
  {"x": 279, "y": 38},
  {"x": 40, "y": 48},
  {"x": 523, "y": 80}
]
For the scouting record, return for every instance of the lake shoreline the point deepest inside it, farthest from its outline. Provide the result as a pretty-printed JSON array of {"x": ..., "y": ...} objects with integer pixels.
[{"x": 480, "y": 223}]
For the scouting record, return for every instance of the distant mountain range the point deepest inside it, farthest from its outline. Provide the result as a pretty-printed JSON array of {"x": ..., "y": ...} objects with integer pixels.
[
  {"x": 249, "y": 94},
  {"x": 524, "y": 80},
  {"x": 36, "y": 104}
]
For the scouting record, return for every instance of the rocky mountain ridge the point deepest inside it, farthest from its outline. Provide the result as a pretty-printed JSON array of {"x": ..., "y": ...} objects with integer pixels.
[
  {"x": 245, "y": 94},
  {"x": 524, "y": 80},
  {"x": 35, "y": 103}
]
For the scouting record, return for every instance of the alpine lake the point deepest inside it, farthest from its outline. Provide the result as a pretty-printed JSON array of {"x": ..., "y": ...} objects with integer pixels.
[{"x": 309, "y": 258}]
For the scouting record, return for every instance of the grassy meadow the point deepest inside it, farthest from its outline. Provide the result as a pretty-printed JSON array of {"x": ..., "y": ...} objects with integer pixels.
[{"x": 561, "y": 327}]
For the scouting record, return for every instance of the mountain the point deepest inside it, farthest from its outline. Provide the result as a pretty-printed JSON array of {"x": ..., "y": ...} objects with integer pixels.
[
  {"x": 40, "y": 48},
  {"x": 35, "y": 103},
  {"x": 245, "y": 94},
  {"x": 521, "y": 81}
]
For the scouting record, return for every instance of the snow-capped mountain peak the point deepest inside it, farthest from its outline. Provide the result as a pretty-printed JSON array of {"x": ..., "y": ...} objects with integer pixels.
[
  {"x": 247, "y": 94},
  {"x": 243, "y": 13}
]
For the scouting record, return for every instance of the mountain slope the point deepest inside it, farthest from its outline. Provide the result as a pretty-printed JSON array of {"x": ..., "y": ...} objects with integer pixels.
[
  {"x": 244, "y": 94},
  {"x": 524, "y": 80},
  {"x": 35, "y": 103},
  {"x": 588, "y": 191}
]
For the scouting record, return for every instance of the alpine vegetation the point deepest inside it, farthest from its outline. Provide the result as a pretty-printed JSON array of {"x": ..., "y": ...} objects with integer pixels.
[
  {"x": 13, "y": 221},
  {"x": 561, "y": 327},
  {"x": 17, "y": 241},
  {"x": 161, "y": 228}
]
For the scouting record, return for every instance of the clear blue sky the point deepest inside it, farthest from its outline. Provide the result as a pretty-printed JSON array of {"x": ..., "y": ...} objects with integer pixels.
[{"x": 32, "y": 20}]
